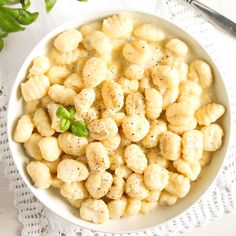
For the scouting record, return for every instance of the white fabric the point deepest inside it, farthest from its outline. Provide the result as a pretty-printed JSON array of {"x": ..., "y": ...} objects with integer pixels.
[{"x": 36, "y": 219}]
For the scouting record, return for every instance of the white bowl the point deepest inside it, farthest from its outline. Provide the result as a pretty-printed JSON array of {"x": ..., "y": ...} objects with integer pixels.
[{"x": 54, "y": 201}]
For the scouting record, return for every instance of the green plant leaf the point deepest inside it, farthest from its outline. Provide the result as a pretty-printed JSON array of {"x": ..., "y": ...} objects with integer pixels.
[
  {"x": 82, "y": 0},
  {"x": 3, "y": 2},
  {"x": 79, "y": 129},
  {"x": 22, "y": 16},
  {"x": 25, "y": 3},
  {"x": 3, "y": 34},
  {"x": 8, "y": 23},
  {"x": 1, "y": 44},
  {"x": 62, "y": 113},
  {"x": 49, "y": 4},
  {"x": 64, "y": 124},
  {"x": 72, "y": 112}
]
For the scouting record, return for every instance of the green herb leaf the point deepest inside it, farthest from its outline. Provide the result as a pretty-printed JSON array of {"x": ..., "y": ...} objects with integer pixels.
[
  {"x": 3, "y": 2},
  {"x": 22, "y": 16},
  {"x": 8, "y": 23},
  {"x": 1, "y": 44},
  {"x": 82, "y": 0},
  {"x": 62, "y": 113},
  {"x": 26, "y": 18},
  {"x": 3, "y": 34},
  {"x": 79, "y": 129},
  {"x": 25, "y": 3},
  {"x": 64, "y": 124},
  {"x": 72, "y": 112},
  {"x": 49, "y": 4}
]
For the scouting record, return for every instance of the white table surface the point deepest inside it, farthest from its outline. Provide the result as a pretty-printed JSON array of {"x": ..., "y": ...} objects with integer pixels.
[{"x": 226, "y": 225}]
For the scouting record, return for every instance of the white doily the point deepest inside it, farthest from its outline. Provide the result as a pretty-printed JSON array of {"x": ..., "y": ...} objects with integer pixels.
[{"x": 36, "y": 219}]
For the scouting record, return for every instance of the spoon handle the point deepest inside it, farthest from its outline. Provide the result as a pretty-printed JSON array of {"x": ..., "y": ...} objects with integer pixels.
[{"x": 216, "y": 18}]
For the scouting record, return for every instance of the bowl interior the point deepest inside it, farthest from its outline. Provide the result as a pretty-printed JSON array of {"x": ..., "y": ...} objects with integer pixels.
[{"x": 52, "y": 199}]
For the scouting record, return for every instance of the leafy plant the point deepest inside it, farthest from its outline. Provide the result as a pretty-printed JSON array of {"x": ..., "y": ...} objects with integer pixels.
[
  {"x": 15, "y": 19},
  {"x": 67, "y": 121}
]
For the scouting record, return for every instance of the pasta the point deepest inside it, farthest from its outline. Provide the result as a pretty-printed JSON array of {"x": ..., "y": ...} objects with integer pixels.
[
  {"x": 62, "y": 95},
  {"x": 170, "y": 146},
  {"x": 58, "y": 74},
  {"x": 177, "y": 47},
  {"x": 70, "y": 170},
  {"x": 40, "y": 174},
  {"x": 153, "y": 103},
  {"x": 42, "y": 123},
  {"x": 35, "y": 88},
  {"x": 97, "y": 156},
  {"x": 135, "y": 127},
  {"x": 98, "y": 184},
  {"x": 84, "y": 100},
  {"x": 118, "y": 117},
  {"x": 40, "y": 66},
  {"x": 49, "y": 148},
  {"x": 200, "y": 72},
  {"x": 72, "y": 144},
  {"x": 135, "y": 104},
  {"x": 95, "y": 211},
  {"x": 209, "y": 113},
  {"x": 149, "y": 32},
  {"x": 103, "y": 128},
  {"x": 212, "y": 137},
  {"x": 137, "y": 52},
  {"x": 117, "y": 208},
  {"x": 94, "y": 72},
  {"x": 32, "y": 148},
  {"x": 68, "y": 40},
  {"x": 112, "y": 95},
  {"x": 24, "y": 129},
  {"x": 135, "y": 158}
]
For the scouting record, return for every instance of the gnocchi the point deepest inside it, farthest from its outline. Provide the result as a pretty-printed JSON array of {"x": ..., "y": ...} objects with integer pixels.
[
  {"x": 209, "y": 113},
  {"x": 97, "y": 156},
  {"x": 24, "y": 129},
  {"x": 118, "y": 117},
  {"x": 200, "y": 71},
  {"x": 42, "y": 123},
  {"x": 212, "y": 137},
  {"x": 70, "y": 170},
  {"x": 95, "y": 211},
  {"x": 135, "y": 158},
  {"x": 135, "y": 127},
  {"x": 35, "y": 87},
  {"x": 40, "y": 174},
  {"x": 98, "y": 184}
]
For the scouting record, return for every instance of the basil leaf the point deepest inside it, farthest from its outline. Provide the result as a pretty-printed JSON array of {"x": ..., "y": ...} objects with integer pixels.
[
  {"x": 3, "y": 2},
  {"x": 26, "y": 18},
  {"x": 1, "y": 44},
  {"x": 49, "y": 4},
  {"x": 25, "y": 3},
  {"x": 72, "y": 112},
  {"x": 64, "y": 124},
  {"x": 8, "y": 23},
  {"x": 79, "y": 129},
  {"x": 82, "y": 0},
  {"x": 3, "y": 34},
  {"x": 22, "y": 16},
  {"x": 62, "y": 113}
]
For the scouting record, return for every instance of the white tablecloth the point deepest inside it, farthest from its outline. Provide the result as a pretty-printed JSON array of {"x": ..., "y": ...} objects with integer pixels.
[{"x": 40, "y": 221}]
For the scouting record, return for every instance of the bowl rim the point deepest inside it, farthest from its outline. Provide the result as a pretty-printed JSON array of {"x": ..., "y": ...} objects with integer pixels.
[{"x": 90, "y": 17}]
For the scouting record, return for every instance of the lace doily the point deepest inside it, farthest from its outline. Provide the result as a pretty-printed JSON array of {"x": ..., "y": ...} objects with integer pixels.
[{"x": 38, "y": 220}]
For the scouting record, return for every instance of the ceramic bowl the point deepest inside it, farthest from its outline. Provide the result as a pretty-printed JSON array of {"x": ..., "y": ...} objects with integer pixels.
[{"x": 53, "y": 200}]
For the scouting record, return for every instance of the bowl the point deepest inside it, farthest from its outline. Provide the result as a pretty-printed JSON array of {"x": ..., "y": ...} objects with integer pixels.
[{"x": 54, "y": 201}]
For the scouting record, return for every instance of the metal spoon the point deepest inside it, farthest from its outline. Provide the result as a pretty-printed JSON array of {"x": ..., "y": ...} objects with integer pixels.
[{"x": 214, "y": 17}]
